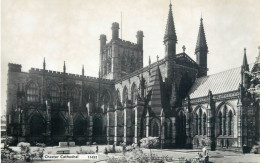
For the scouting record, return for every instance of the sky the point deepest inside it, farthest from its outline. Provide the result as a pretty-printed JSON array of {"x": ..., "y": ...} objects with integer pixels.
[{"x": 69, "y": 30}]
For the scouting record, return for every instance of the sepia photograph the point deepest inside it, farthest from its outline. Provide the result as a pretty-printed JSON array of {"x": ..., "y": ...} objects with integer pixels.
[{"x": 157, "y": 81}]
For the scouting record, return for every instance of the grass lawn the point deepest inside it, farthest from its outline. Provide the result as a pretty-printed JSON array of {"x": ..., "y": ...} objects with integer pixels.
[{"x": 214, "y": 156}]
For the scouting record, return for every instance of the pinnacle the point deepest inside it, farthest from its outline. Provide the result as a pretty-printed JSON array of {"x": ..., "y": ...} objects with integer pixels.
[
  {"x": 170, "y": 28},
  {"x": 201, "y": 40},
  {"x": 245, "y": 59}
]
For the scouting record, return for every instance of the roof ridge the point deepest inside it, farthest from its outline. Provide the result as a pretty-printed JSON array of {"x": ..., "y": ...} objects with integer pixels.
[{"x": 223, "y": 71}]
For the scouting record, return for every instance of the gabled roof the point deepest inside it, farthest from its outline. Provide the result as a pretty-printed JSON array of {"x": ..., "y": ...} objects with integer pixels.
[
  {"x": 222, "y": 82},
  {"x": 184, "y": 59},
  {"x": 157, "y": 98}
]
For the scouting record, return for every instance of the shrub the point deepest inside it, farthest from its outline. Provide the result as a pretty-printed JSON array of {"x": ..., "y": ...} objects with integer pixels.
[
  {"x": 40, "y": 145},
  {"x": 105, "y": 150},
  {"x": 255, "y": 149},
  {"x": 112, "y": 150},
  {"x": 38, "y": 153},
  {"x": 25, "y": 147},
  {"x": 88, "y": 143},
  {"x": 205, "y": 142},
  {"x": 117, "y": 160},
  {"x": 23, "y": 144},
  {"x": 141, "y": 157},
  {"x": 134, "y": 145},
  {"x": 150, "y": 142},
  {"x": 129, "y": 148},
  {"x": 88, "y": 151},
  {"x": 11, "y": 140}
]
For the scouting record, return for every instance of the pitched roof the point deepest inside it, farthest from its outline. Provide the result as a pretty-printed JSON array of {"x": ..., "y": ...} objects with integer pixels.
[
  {"x": 184, "y": 59},
  {"x": 170, "y": 28},
  {"x": 222, "y": 82},
  {"x": 157, "y": 97},
  {"x": 201, "y": 40}
]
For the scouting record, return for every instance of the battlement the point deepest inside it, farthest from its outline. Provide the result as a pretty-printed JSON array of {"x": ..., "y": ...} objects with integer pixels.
[
  {"x": 14, "y": 67},
  {"x": 128, "y": 43},
  {"x": 123, "y": 43},
  {"x": 67, "y": 75}
]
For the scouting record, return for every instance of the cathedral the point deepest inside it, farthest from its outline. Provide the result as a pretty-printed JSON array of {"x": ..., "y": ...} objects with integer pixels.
[{"x": 173, "y": 98}]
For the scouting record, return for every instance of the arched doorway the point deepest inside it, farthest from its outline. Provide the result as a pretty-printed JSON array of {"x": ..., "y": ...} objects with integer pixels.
[
  {"x": 58, "y": 125},
  {"x": 37, "y": 125},
  {"x": 181, "y": 129},
  {"x": 97, "y": 130},
  {"x": 80, "y": 127}
]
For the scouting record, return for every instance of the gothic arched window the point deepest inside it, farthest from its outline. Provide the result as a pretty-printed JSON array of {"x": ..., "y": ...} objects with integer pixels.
[
  {"x": 55, "y": 94},
  {"x": 204, "y": 124},
  {"x": 220, "y": 123},
  {"x": 200, "y": 122},
  {"x": 106, "y": 98},
  {"x": 165, "y": 130},
  {"x": 123, "y": 64},
  {"x": 108, "y": 66},
  {"x": 230, "y": 123},
  {"x": 32, "y": 93},
  {"x": 125, "y": 95},
  {"x": 184, "y": 125},
  {"x": 224, "y": 120},
  {"x": 118, "y": 98},
  {"x": 105, "y": 67},
  {"x": 91, "y": 96},
  {"x": 132, "y": 64},
  {"x": 196, "y": 124},
  {"x": 134, "y": 93},
  {"x": 155, "y": 130},
  {"x": 73, "y": 95}
]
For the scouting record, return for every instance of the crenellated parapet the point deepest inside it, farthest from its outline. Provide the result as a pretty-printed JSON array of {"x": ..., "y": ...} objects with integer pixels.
[
  {"x": 14, "y": 67},
  {"x": 67, "y": 75}
]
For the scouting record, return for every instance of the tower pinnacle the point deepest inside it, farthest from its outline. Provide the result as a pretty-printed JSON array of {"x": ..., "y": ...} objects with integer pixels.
[
  {"x": 201, "y": 40},
  {"x": 64, "y": 67},
  {"x": 201, "y": 50},
  {"x": 245, "y": 64},
  {"x": 44, "y": 64},
  {"x": 170, "y": 33},
  {"x": 83, "y": 71}
]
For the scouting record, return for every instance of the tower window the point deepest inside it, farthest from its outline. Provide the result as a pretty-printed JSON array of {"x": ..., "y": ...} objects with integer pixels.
[
  {"x": 32, "y": 93},
  {"x": 55, "y": 94}
]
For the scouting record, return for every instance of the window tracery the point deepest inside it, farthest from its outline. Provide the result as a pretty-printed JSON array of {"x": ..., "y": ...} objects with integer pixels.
[{"x": 32, "y": 93}]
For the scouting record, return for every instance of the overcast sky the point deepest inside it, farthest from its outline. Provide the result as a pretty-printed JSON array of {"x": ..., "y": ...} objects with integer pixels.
[{"x": 68, "y": 30}]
